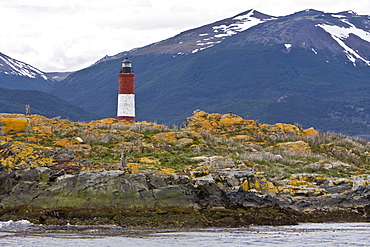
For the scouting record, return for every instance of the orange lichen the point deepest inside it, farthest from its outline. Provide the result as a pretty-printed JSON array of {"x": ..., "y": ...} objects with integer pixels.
[
  {"x": 310, "y": 132},
  {"x": 245, "y": 185},
  {"x": 103, "y": 121},
  {"x": 62, "y": 142},
  {"x": 288, "y": 128},
  {"x": 42, "y": 129},
  {"x": 296, "y": 147},
  {"x": 168, "y": 170},
  {"x": 13, "y": 125},
  {"x": 242, "y": 137},
  {"x": 19, "y": 156},
  {"x": 32, "y": 139},
  {"x": 232, "y": 120},
  {"x": 149, "y": 160}
]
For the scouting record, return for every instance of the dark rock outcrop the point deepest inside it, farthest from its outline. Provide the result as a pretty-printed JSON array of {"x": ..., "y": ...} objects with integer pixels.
[{"x": 40, "y": 187}]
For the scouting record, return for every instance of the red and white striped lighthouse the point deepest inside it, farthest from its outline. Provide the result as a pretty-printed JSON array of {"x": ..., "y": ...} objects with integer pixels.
[{"x": 126, "y": 92}]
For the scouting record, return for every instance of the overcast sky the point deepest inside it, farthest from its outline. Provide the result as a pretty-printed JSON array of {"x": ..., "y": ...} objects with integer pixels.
[{"x": 67, "y": 35}]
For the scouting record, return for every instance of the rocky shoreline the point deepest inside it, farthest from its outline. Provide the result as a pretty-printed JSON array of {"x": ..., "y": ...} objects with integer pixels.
[{"x": 151, "y": 200}]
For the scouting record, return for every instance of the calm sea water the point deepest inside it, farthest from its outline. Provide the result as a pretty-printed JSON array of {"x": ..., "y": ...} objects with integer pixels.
[{"x": 23, "y": 233}]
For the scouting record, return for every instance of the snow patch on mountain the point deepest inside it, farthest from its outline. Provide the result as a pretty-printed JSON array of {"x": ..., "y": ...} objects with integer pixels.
[
  {"x": 239, "y": 23},
  {"x": 340, "y": 34},
  {"x": 10, "y": 66},
  {"x": 243, "y": 22}
]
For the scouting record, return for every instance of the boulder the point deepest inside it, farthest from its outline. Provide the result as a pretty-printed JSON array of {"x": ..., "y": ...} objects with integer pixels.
[
  {"x": 246, "y": 199},
  {"x": 96, "y": 189},
  {"x": 209, "y": 195}
]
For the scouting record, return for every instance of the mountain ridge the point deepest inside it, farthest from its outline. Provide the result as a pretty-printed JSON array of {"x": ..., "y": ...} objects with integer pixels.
[
  {"x": 240, "y": 19},
  {"x": 189, "y": 46}
]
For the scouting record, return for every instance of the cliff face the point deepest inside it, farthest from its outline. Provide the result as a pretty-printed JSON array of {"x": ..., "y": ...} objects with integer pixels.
[{"x": 214, "y": 161}]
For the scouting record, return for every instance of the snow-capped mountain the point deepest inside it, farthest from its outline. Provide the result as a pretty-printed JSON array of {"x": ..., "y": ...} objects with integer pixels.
[
  {"x": 10, "y": 66},
  {"x": 207, "y": 36},
  {"x": 348, "y": 33},
  {"x": 15, "y": 74},
  {"x": 229, "y": 27},
  {"x": 200, "y": 38},
  {"x": 343, "y": 34}
]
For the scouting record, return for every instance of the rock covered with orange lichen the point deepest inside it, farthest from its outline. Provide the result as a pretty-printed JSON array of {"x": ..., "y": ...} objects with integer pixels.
[
  {"x": 16, "y": 155},
  {"x": 295, "y": 147},
  {"x": 11, "y": 125},
  {"x": 220, "y": 124}
]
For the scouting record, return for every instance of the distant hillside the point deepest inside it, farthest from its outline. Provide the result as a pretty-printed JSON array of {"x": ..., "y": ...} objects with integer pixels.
[
  {"x": 14, "y": 101},
  {"x": 24, "y": 83},
  {"x": 57, "y": 76}
]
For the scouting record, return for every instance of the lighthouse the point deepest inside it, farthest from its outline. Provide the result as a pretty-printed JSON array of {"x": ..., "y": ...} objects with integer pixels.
[{"x": 126, "y": 92}]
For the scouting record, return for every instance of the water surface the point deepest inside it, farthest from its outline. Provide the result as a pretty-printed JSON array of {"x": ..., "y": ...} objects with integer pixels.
[{"x": 23, "y": 233}]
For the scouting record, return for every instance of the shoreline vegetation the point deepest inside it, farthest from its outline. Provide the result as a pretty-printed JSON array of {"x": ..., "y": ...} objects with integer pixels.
[{"x": 217, "y": 170}]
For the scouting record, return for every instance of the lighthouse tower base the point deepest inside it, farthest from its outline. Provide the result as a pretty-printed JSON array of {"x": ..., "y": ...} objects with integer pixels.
[
  {"x": 126, "y": 118},
  {"x": 126, "y": 107},
  {"x": 126, "y": 97}
]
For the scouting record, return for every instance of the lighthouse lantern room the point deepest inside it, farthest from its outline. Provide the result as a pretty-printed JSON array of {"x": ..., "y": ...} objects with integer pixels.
[
  {"x": 126, "y": 92},
  {"x": 126, "y": 67}
]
